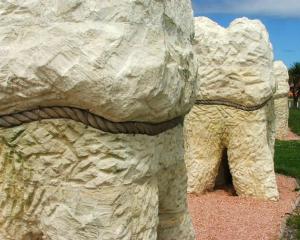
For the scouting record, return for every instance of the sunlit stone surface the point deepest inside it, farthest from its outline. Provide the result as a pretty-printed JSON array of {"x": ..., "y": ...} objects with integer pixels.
[
  {"x": 124, "y": 61},
  {"x": 281, "y": 76},
  {"x": 235, "y": 67}
]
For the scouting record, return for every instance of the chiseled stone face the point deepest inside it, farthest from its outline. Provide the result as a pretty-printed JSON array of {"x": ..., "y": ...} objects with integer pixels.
[
  {"x": 281, "y": 77},
  {"x": 123, "y": 60},
  {"x": 61, "y": 178},
  {"x": 235, "y": 64},
  {"x": 246, "y": 136}
]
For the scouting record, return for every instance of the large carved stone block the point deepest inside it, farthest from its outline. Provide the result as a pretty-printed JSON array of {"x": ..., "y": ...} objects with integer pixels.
[
  {"x": 119, "y": 66},
  {"x": 281, "y": 99},
  {"x": 234, "y": 109},
  {"x": 123, "y": 60},
  {"x": 62, "y": 180}
]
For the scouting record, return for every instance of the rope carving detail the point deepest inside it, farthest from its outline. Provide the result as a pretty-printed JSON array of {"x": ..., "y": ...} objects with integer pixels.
[
  {"x": 89, "y": 119},
  {"x": 283, "y": 95},
  {"x": 232, "y": 104}
]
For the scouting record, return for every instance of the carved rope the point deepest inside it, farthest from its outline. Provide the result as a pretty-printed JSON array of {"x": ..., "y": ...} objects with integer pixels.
[
  {"x": 232, "y": 104},
  {"x": 87, "y": 118},
  {"x": 283, "y": 95}
]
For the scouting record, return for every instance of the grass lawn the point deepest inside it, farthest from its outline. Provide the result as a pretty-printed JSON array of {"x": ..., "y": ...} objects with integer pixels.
[
  {"x": 287, "y": 153},
  {"x": 294, "y": 120},
  {"x": 287, "y": 162},
  {"x": 287, "y": 158}
]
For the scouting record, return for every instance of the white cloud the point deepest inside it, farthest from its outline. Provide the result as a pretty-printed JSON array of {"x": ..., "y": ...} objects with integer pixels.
[{"x": 264, "y": 7}]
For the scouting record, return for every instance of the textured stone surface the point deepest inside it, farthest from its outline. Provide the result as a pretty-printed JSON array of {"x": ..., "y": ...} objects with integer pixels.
[
  {"x": 65, "y": 181},
  {"x": 123, "y": 60},
  {"x": 210, "y": 129},
  {"x": 281, "y": 76},
  {"x": 235, "y": 65}
]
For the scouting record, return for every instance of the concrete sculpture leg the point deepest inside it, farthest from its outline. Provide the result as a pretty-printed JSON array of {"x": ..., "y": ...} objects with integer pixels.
[
  {"x": 281, "y": 76},
  {"x": 245, "y": 135},
  {"x": 61, "y": 180},
  {"x": 174, "y": 220},
  {"x": 282, "y": 117},
  {"x": 203, "y": 147}
]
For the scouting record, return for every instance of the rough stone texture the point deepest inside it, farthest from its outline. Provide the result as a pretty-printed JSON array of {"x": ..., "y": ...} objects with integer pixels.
[
  {"x": 235, "y": 65},
  {"x": 61, "y": 180},
  {"x": 123, "y": 60},
  {"x": 210, "y": 129},
  {"x": 281, "y": 99},
  {"x": 271, "y": 127}
]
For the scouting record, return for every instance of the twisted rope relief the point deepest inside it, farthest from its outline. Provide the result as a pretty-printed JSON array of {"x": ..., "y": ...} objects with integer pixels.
[
  {"x": 89, "y": 119},
  {"x": 234, "y": 105},
  {"x": 283, "y": 95}
]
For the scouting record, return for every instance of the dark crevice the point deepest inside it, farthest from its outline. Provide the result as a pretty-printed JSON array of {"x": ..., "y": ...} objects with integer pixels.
[{"x": 224, "y": 177}]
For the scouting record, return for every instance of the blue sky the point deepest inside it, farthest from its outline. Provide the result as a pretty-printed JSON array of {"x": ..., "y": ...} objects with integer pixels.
[{"x": 281, "y": 17}]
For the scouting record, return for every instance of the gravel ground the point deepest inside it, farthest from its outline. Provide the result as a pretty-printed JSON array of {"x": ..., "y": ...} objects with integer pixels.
[
  {"x": 291, "y": 136},
  {"x": 221, "y": 216}
]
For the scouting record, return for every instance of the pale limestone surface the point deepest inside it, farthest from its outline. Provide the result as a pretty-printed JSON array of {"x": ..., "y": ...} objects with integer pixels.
[
  {"x": 123, "y": 60},
  {"x": 62, "y": 180},
  {"x": 235, "y": 65},
  {"x": 210, "y": 129},
  {"x": 281, "y": 76}
]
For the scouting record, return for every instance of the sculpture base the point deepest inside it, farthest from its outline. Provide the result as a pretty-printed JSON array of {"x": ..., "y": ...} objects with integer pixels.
[
  {"x": 62, "y": 180},
  {"x": 246, "y": 135}
]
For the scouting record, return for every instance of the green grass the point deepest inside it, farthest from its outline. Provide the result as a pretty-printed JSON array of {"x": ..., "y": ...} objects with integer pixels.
[
  {"x": 294, "y": 223},
  {"x": 287, "y": 162},
  {"x": 287, "y": 158},
  {"x": 294, "y": 120},
  {"x": 287, "y": 153}
]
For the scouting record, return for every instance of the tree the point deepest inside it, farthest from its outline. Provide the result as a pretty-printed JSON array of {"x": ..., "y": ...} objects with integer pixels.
[{"x": 294, "y": 80}]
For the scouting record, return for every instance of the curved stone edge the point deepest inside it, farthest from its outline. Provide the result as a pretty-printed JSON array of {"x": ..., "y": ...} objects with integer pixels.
[{"x": 89, "y": 119}]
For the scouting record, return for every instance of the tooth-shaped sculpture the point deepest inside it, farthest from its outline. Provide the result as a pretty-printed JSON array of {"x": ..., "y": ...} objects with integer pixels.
[
  {"x": 234, "y": 108},
  {"x": 117, "y": 65},
  {"x": 281, "y": 76}
]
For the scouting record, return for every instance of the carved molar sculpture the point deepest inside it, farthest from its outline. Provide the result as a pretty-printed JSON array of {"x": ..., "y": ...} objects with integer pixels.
[
  {"x": 233, "y": 108},
  {"x": 121, "y": 66},
  {"x": 91, "y": 51},
  {"x": 281, "y": 76}
]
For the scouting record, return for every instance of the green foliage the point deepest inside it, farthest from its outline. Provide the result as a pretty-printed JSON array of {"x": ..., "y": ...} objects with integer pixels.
[
  {"x": 294, "y": 223},
  {"x": 294, "y": 79},
  {"x": 294, "y": 73},
  {"x": 294, "y": 120}
]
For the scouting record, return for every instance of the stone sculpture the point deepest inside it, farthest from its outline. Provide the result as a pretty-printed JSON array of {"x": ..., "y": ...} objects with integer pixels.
[
  {"x": 233, "y": 108},
  {"x": 281, "y": 76},
  {"x": 91, "y": 104}
]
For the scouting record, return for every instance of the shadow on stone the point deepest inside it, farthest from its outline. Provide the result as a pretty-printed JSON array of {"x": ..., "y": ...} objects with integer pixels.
[{"x": 224, "y": 177}]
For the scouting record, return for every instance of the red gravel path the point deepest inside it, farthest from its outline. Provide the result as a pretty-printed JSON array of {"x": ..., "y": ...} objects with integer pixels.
[
  {"x": 291, "y": 136},
  {"x": 220, "y": 216}
]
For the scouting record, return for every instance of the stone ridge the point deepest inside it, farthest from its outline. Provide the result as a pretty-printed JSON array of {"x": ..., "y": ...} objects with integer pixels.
[
  {"x": 281, "y": 76},
  {"x": 123, "y": 60},
  {"x": 235, "y": 63}
]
